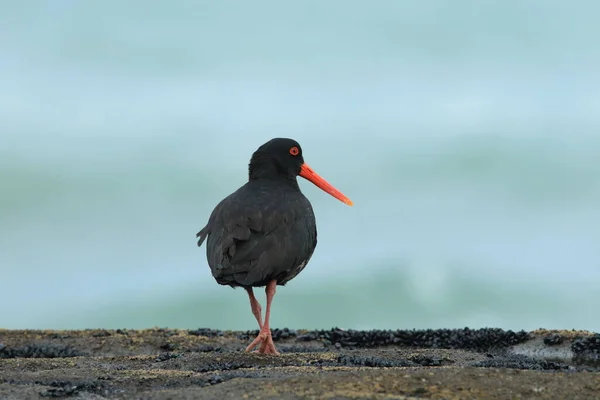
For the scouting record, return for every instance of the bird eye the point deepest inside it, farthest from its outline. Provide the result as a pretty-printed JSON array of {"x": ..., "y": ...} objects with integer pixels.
[{"x": 294, "y": 151}]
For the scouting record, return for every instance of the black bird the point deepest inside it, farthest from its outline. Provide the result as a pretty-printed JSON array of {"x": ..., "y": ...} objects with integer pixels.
[{"x": 264, "y": 233}]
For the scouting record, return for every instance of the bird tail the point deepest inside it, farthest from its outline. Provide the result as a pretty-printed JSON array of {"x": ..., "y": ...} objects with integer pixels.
[{"x": 202, "y": 235}]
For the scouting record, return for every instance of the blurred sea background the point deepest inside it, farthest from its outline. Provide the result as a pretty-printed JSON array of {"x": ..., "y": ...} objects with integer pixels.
[{"x": 467, "y": 133}]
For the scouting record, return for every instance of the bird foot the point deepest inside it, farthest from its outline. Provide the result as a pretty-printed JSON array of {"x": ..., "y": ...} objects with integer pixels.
[{"x": 265, "y": 340}]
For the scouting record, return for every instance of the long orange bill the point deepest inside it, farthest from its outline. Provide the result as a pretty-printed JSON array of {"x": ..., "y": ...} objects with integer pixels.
[{"x": 309, "y": 174}]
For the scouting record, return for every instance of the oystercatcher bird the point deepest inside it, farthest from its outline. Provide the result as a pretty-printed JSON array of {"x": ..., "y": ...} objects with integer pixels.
[{"x": 264, "y": 233}]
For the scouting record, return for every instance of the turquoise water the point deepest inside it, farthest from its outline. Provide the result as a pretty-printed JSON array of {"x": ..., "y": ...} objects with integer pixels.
[{"x": 467, "y": 136}]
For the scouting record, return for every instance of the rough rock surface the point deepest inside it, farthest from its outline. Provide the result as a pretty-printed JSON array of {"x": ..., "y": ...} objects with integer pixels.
[{"x": 324, "y": 364}]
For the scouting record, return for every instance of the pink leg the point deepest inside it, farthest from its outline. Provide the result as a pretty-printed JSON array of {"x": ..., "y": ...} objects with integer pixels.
[
  {"x": 255, "y": 306},
  {"x": 264, "y": 337}
]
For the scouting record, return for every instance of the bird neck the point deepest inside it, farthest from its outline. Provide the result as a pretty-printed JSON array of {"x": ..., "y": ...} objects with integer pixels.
[{"x": 264, "y": 168}]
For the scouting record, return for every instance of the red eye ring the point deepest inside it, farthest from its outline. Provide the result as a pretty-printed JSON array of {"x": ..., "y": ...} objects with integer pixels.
[{"x": 294, "y": 151}]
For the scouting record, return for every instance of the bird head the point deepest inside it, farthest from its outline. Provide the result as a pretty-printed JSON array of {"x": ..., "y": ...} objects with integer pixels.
[{"x": 282, "y": 158}]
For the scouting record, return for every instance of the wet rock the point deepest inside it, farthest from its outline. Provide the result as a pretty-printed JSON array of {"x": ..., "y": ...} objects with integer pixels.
[
  {"x": 589, "y": 345},
  {"x": 166, "y": 356},
  {"x": 301, "y": 349},
  {"x": 59, "y": 389},
  {"x": 308, "y": 337},
  {"x": 479, "y": 339},
  {"x": 168, "y": 346},
  {"x": 101, "y": 333},
  {"x": 226, "y": 366},
  {"x": 428, "y": 361},
  {"x": 215, "y": 380},
  {"x": 207, "y": 348},
  {"x": 279, "y": 334},
  {"x": 552, "y": 340},
  {"x": 375, "y": 362},
  {"x": 205, "y": 332},
  {"x": 40, "y": 350},
  {"x": 58, "y": 336},
  {"x": 522, "y": 362}
]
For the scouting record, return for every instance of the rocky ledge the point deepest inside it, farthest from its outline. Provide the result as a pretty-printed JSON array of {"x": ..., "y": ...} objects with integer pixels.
[{"x": 325, "y": 364}]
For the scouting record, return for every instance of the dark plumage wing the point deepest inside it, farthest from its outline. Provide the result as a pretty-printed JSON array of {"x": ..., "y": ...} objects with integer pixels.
[{"x": 251, "y": 242}]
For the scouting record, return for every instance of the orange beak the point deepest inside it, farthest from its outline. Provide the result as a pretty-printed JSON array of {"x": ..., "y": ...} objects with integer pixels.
[{"x": 309, "y": 174}]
